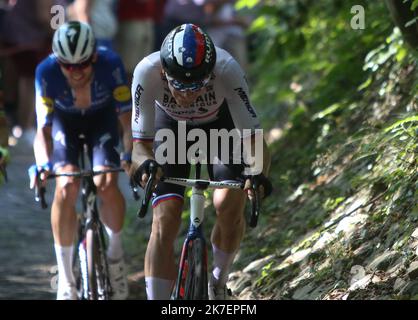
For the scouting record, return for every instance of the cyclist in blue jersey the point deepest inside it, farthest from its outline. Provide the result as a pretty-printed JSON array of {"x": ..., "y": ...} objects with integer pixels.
[{"x": 82, "y": 90}]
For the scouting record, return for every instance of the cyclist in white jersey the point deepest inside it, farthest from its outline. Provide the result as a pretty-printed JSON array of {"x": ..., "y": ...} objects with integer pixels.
[{"x": 190, "y": 80}]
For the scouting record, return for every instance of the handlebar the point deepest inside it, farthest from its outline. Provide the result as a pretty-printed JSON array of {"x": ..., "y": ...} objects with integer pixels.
[
  {"x": 202, "y": 184},
  {"x": 84, "y": 173},
  {"x": 40, "y": 191}
]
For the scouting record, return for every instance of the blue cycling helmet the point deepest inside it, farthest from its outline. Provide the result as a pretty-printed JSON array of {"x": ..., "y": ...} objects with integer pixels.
[{"x": 188, "y": 54}]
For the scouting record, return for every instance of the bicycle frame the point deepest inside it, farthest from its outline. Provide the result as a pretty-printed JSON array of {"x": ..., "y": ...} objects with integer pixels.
[
  {"x": 195, "y": 243},
  {"x": 197, "y": 202},
  {"x": 90, "y": 222},
  {"x": 197, "y": 210}
]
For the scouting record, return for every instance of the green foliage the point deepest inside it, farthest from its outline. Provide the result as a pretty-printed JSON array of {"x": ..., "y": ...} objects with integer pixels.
[
  {"x": 400, "y": 125},
  {"x": 306, "y": 50},
  {"x": 330, "y": 204},
  {"x": 414, "y": 6},
  {"x": 346, "y": 101}
]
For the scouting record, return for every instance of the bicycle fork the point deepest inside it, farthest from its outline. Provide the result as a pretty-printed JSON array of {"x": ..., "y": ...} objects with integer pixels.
[{"x": 195, "y": 233}]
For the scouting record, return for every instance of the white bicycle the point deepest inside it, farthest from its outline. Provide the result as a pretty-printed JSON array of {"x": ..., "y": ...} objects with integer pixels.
[{"x": 192, "y": 276}]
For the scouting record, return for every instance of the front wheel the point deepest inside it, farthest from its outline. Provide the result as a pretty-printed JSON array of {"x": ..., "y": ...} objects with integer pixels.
[
  {"x": 98, "y": 276},
  {"x": 92, "y": 258},
  {"x": 196, "y": 282}
]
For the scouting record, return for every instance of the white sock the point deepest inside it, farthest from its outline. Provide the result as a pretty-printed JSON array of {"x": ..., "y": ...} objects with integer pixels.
[
  {"x": 158, "y": 289},
  {"x": 65, "y": 265},
  {"x": 222, "y": 261},
  {"x": 114, "y": 250}
]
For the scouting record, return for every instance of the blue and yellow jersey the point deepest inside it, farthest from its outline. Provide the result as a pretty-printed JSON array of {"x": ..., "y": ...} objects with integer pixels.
[{"x": 108, "y": 87}]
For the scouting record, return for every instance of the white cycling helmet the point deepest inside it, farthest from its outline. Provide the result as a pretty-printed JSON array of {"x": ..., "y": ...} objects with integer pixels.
[{"x": 73, "y": 42}]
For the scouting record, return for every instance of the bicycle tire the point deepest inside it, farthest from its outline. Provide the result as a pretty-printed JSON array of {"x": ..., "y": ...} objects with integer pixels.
[
  {"x": 102, "y": 268},
  {"x": 79, "y": 263},
  {"x": 99, "y": 283},
  {"x": 196, "y": 283},
  {"x": 253, "y": 220},
  {"x": 92, "y": 256}
]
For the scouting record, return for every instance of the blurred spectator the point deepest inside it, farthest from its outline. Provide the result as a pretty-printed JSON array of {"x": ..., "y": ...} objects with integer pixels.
[
  {"x": 100, "y": 14},
  {"x": 227, "y": 29},
  {"x": 159, "y": 23},
  {"x": 135, "y": 37},
  {"x": 4, "y": 130},
  {"x": 25, "y": 36},
  {"x": 177, "y": 12}
]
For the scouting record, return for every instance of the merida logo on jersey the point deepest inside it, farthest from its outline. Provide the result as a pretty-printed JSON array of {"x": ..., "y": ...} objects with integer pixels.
[
  {"x": 246, "y": 100},
  {"x": 136, "y": 114},
  {"x": 138, "y": 93}
]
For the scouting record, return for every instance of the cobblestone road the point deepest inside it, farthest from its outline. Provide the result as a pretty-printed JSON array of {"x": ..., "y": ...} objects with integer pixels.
[{"x": 27, "y": 260}]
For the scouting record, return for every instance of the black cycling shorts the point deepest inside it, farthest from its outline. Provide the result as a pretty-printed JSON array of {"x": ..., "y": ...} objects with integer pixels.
[
  {"x": 100, "y": 129},
  {"x": 217, "y": 172}
]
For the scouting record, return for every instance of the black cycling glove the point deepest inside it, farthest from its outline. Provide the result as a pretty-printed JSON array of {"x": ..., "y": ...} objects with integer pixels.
[
  {"x": 261, "y": 180},
  {"x": 148, "y": 166}
]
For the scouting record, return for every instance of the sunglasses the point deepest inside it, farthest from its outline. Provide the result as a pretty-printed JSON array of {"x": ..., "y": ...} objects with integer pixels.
[
  {"x": 183, "y": 87},
  {"x": 76, "y": 66}
]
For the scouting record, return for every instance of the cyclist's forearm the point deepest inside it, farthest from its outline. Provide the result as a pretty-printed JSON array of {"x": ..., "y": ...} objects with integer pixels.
[
  {"x": 125, "y": 120},
  {"x": 256, "y": 155},
  {"x": 141, "y": 152},
  {"x": 266, "y": 159},
  {"x": 42, "y": 145},
  {"x": 127, "y": 140}
]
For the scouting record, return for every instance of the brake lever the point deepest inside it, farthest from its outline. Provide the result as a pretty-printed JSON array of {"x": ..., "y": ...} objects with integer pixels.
[
  {"x": 135, "y": 193},
  {"x": 40, "y": 191},
  {"x": 148, "y": 188},
  {"x": 134, "y": 189},
  {"x": 40, "y": 196},
  {"x": 255, "y": 203}
]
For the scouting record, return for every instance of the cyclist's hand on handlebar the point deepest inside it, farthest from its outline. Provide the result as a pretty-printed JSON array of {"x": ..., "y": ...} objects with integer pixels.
[
  {"x": 141, "y": 175},
  {"x": 126, "y": 161},
  {"x": 260, "y": 181},
  {"x": 38, "y": 174}
]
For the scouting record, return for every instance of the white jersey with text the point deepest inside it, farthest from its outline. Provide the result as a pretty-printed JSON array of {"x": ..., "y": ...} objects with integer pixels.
[{"x": 227, "y": 88}]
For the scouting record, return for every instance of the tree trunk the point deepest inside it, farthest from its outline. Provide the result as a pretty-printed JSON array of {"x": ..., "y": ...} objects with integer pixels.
[{"x": 401, "y": 14}]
